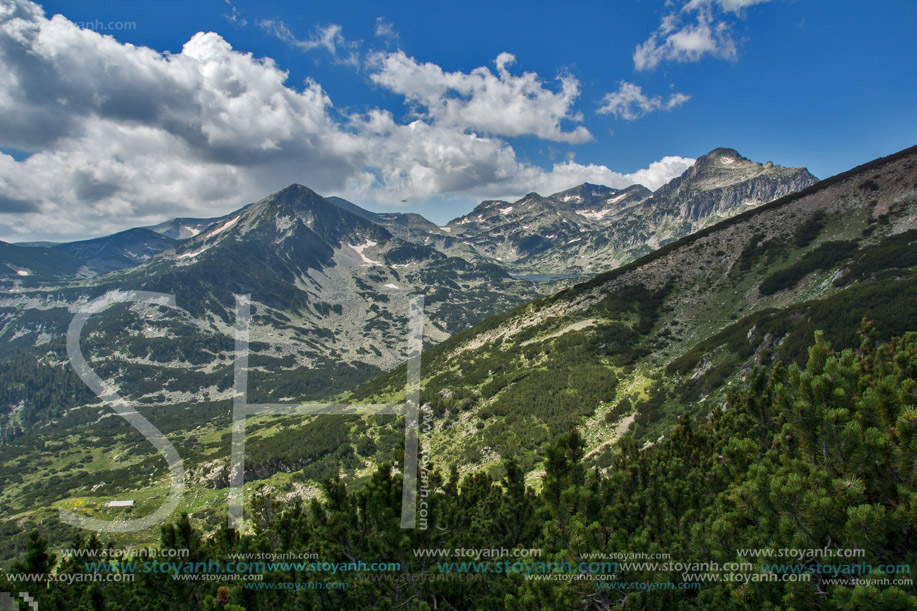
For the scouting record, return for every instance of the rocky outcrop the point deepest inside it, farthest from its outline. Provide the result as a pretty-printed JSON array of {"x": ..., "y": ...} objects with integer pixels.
[{"x": 719, "y": 185}]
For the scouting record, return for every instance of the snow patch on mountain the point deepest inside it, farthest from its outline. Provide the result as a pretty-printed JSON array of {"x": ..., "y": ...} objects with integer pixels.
[
  {"x": 595, "y": 214},
  {"x": 193, "y": 254},
  {"x": 228, "y": 224},
  {"x": 359, "y": 250},
  {"x": 616, "y": 198}
]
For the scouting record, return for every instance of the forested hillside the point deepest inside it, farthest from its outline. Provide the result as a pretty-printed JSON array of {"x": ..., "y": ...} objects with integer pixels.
[
  {"x": 819, "y": 457},
  {"x": 623, "y": 359},
  {"x": 628, "y": 353}
]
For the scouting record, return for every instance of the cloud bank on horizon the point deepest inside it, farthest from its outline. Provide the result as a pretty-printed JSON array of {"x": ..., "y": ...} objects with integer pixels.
[{"x": 119, "y": 135}]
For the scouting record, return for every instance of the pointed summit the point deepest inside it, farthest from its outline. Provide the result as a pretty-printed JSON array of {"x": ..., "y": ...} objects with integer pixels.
[
  {"x": 723, "y": 167},
  {"x": 295, "y": 194},
  {"x": 333, "y": 220}
]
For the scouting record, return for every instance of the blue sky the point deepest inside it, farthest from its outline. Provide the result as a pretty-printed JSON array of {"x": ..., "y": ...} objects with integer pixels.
[{"x": 121, "y": 114}]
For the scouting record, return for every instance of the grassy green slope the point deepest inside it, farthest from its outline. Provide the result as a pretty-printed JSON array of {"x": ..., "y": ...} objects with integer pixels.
[
  {"x": 635, "y": 348},
  {"x": 625, "y": 354}
]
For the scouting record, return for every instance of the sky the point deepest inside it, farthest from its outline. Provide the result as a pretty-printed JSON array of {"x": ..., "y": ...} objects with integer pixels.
[{"x": 122, "y": 114}]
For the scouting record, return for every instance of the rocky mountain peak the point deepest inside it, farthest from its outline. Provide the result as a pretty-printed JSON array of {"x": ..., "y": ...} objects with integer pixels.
[
  {"x": 721, "y": 152},
  {"x": 490, "y": 203},
  {"x": 721, "y": 158},
  {"x": 637, "y": 189},
  {"x": 118, "y": 251},
  {"x": 583, "y": 193},
  {"x": 296, "y": 195},
  {"x": 723, "y": 167}
]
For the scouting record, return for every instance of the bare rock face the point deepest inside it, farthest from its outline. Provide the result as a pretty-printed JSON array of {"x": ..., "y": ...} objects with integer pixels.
[
  {"x": 721, "y": 183},
  {"x": 592, "y": 228}
]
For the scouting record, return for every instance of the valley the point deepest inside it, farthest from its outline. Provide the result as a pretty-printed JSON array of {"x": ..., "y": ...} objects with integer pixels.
[{"x": 624, "y": 357}]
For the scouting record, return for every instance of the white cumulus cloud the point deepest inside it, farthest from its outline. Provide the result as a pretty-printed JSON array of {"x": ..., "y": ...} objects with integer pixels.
[
  {"x": 733, "y": 6},
  {"x": 570, "y": 173},
  {"x": 629, "y": 102},
  {"x": 699, "y": 28},
  {"x": 118, "y": 135},
  {"x": 501, "y": 104}
]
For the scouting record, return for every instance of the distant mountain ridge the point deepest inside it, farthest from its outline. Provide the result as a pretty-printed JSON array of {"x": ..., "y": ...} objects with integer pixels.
[
  {"x": 184, "y": 228},
  {"x": 597, "y": 202},
  {"x": 28, "y": 263},
  {"x": 119, "y": 251},
  {"x": 577, "y": 232},
  {"x": 329, "y": 280},
  {"x": 329, "y": 292},
  {"x": 592, "y": 228}
]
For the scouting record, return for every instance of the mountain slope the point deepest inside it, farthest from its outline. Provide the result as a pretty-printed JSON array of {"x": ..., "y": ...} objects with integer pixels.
[
  {"x": 184, "y": 228},
  {"x": 118, "y": 251},
  {"x": 408, "y": 226},
  {"x": 329, "y": 292},
  {"x": 37, "y": 263},
  {"x": 511, "y": 233},
  {"x": 592, "y": 228},
  {"x": 294, "y": 244},
  {"x": 583, "y": 230},
  {"x": 629, "y": 349},
  {"x": 620, "y": 357}
]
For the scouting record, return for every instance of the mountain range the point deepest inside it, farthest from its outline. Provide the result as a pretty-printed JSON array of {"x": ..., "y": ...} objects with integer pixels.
[
  {"x": 330, "y": 280},
  {"x": 505, "y": 370},
  {"x": 583, "y": 230},
  {"x": 592, "y": 228},
  {"x": 329, "y": 291}
]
